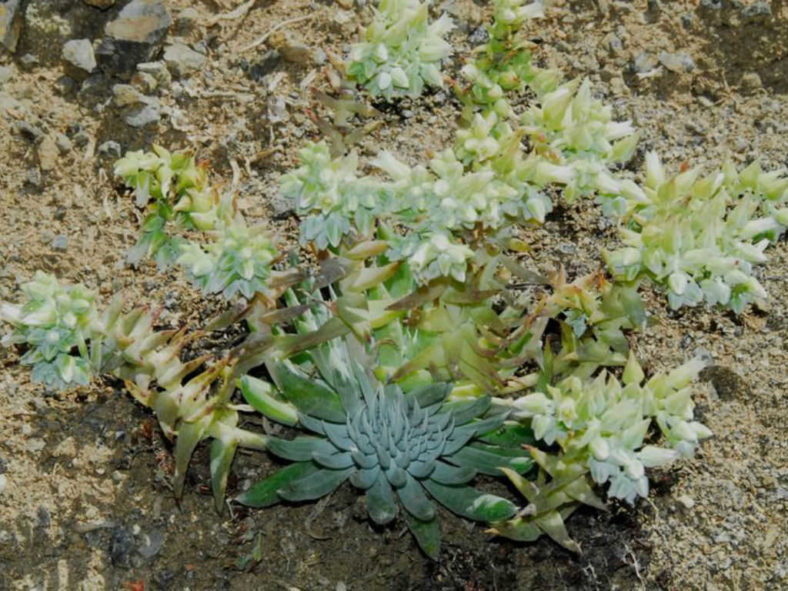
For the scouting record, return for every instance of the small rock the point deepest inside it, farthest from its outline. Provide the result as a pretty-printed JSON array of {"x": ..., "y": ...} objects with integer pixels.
[
  {"x": 28, "y": 61},
  {"x": 44, "y": 517},
  {"x": 80, "y": 61},
  {"x": 60, "y": 243},
  {"x": 644, "y": 63},
  {"x": 152, "y": 544},
  {"x": 102, "y": 4},
  {"x": 164, "y": 579},
  {"x": 29, "y": 131},
  {"x": 296, "y": 53},
  {"x": 144, "y": 82},
  {"x": 141, "y": 21},
  {"x": 110, "y": 149},
  {"x": 265, "y": 65},
  {"x": 6, "y": 74},
  {"x": 124, "y": 95},
  {"x": 703, "y": 354},
  {"x": 94, "y": 90},
  {"x": 182, "y": 60},
  {"x": 81, "y": 139},
  {"x": 618, "y": 86},
  {"x": 10, "y": 23},
  {"x": 615, "y": 45},
  {"x": 187, "y": 22},
  {"x": 677, "y": 62},
  {"x": 3, "y": 482},
  {"x": 120, "y": 547},
  {"x": 35, "y": 444},
  {"x": 65, "y": 449},
  {"x": 135, "y": 36},
  {"x": 65, "y": 85},
  {"x": 281, "y": 207},
  {"x": 479, "y": 36},
  {"x": 751, "y": 81},
  {"x": 727, "y": 383},
  {"x": 34, "y": 178},
  {"x": 63, "y": 144},
  {"x": 158, "y": 70},
  {"x": 47, "y": 154},
  {"x": 144, "y": 115},
  {"x": 686, "y": 501},
  {"x": 757, "y": 9}
]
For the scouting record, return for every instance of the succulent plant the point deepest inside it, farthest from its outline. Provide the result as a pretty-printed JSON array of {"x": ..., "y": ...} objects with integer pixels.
[
  {"x": 192, "y": 400},
  {"x": 403, "y": 450},
  {"x": 402, "y": 51},
  {"x": 701, "y": 237},
  {"x": 570, "y": 124},
  {"x": 552, "y": 497},
  {"x": 445, "y": 207},
  {"x": 601, "y": 424},
  {"x": 173, "y": 188},
  {"x": 238, "y": 261},
  {"x": 333, "y": 199},
  {"x": 503, "y": 64},
  {"x": 56, "y": 322},
  {"x": 388, "y": 354},
  {"x": 575, "y": 141}
]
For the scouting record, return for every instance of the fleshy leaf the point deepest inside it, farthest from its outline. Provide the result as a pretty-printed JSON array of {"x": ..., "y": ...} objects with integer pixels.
[
  {"x": 315, "y": 485},
  {"x": 263, "y": 493},
  {"x": 415, "y": 501},
  {"x": 300, "y": 449},
  {"x": 259, "y": 394},
  {"x": 470, "y": 503},
  {"x": 427, "y": 534},
  {"x": 309, "y": 396},
  {"x": 380, "y": 501}
]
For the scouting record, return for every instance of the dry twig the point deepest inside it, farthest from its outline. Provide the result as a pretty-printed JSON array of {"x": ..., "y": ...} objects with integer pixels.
[
  {"x": 240, "y": 12},
  {"x": 262, "y": 39}
]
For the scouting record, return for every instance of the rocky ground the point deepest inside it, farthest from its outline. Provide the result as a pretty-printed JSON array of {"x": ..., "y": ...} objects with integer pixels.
[{"x": 84, "y": 498}]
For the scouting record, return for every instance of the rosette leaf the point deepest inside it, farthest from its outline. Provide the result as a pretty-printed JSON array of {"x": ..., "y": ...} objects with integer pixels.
[{"x": 405, "y": 451}]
